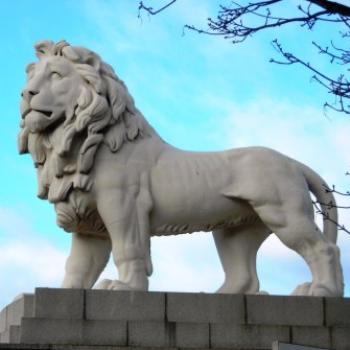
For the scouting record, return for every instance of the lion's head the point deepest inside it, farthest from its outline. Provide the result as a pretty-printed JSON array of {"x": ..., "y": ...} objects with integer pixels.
[
  {"x": 52, "y": 90},
  {"x": 72, "y": 90}
]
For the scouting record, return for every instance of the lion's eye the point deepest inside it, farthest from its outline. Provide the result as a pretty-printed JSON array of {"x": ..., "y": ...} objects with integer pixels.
[{"x": 55, "y": 75}]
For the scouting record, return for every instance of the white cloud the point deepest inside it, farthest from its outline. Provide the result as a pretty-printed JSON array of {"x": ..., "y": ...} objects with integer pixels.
[
  {"x": 39, "y": 258},
  {"x": 186, "y": 263},
  {"x": 26, "y": 260},
  {"x": 182, "y": 263}
]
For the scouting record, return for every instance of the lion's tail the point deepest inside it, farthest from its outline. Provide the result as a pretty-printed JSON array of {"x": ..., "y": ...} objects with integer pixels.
[{"x": 326, "y": 200}]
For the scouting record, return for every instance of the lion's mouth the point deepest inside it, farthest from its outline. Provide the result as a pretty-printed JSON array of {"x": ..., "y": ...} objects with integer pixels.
[
  {"x": 47, "y": 114},
  {"x": 37, "y": 120}
]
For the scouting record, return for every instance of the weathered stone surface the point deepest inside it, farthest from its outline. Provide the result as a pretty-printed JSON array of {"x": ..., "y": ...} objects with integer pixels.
[
  {"x": 340, "y": 338},
  {"x": 276, "y": 345},
  {"x": 139, "y": 319},
  {"x": 3, "y": 318},
  {"x": 124, "y": 305},
  {"x": 104, "y": 333},
  {"x": 11, "y": 315},
  {"x": 22, "y": 306},
  {"x": 205, "y": 308},
  {"x": 281, "y": 310},
  {"x": 73, "y": 331},
  {"x": 66, "y": 347},
  {"x": 246, "y": 337},
  {"x": 312, "y": 336},
  {"x": 14, "y": 334},
  {"x": 59, "y": 303},
  {"x": 51, "y": 331},
  {"x": 150, "y": 334},
  {"x": 192, "y": 335},
  {"x": 337, "y": 311},
  {"x": 5, "y": 336}
]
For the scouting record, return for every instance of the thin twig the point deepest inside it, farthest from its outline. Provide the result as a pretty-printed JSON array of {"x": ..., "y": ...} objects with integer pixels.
[
  {"x": 325, "y": 214},
  {"x": 150, "y": 10}
]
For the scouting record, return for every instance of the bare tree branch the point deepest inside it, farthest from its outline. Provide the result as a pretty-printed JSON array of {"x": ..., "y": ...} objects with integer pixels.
[
  {"x": 325, "y": 214},
  {"x": 339, "y": 87},
  {"x": 333, "y": 190},
  {"x": 150, "y": 9},
  {"x": 333, "y": 7}
]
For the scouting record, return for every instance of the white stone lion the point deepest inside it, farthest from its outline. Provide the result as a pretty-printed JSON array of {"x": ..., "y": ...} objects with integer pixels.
[{"x": 115, "y": 183}]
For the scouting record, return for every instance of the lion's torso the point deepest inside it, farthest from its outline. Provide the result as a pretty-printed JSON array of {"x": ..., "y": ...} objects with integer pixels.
[
  {"x": 171, "y": 179},
  {"x": 189, "y": 193}
]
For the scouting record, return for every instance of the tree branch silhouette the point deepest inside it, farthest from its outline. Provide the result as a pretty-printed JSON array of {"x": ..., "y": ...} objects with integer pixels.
[{"x": 241, "y": 20}]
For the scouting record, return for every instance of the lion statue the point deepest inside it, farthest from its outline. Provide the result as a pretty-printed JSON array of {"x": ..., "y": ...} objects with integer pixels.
[{"x": 115, "y": 183}]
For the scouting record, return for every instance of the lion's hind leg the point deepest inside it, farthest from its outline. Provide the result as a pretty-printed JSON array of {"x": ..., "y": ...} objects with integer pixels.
[
  {"x": 88, "y": 257},
  {"x": 237, "y": 248},
  {"x": 295, "y": 227}
]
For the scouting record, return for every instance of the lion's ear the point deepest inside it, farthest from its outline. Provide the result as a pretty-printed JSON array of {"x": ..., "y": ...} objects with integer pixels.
[
  {"x": 94, "y": 61},
  {"x": 88, "y": 57},
  {"x": 70, "y": 53},
  {"x": 42, "y": 48}
]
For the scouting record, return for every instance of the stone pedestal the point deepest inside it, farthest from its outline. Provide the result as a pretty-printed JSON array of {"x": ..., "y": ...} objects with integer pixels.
[{"x": 84, "y": 319}]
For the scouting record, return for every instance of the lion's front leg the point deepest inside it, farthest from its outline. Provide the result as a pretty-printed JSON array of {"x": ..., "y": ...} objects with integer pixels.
[
  {"x": 88, "y": 257},
  {"x": 119, "y": 213}
]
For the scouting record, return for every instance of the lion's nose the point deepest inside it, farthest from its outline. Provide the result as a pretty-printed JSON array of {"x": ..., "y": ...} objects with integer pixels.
[{"x": 27, "y": 94}]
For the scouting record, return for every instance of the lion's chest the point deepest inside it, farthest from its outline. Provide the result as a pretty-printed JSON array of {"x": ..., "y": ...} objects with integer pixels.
[{"x": 79, "y": 214}]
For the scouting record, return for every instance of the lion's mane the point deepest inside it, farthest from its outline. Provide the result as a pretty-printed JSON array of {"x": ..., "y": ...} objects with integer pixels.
[{"x": 105, "y": 113}]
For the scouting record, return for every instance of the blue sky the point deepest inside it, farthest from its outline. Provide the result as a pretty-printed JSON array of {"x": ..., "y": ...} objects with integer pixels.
[{"x": 200, "y": 93}]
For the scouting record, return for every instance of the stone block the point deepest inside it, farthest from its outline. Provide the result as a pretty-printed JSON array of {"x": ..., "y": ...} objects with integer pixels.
[
  {"x": 281, "y": 310},
  {"x": 151, "y": 334},
  {"x": 73, "y": 332},
  {"x": 124, "y": 305},
  {"x": 5, "y": 336},
  {"x": 205, "y": 308},
  {"x": 337, "y": 311},
  {"x": 340, "y": 338},
  {"x": 276, "y": 345},
  {"x": 104, "y": 333},
  {"x": 192, "y": 335},
  {"x": 59, "y": 303},
  {"x": 14, "y": 334},
  {"x": 22, "y": 306},
  {"x": 11, "y": 335},
  {"x": 312, "y": 336},
  {"x": 235, "y": 336},
  {"x": 3, "y": 321},
  {"x": 51, "y": 331}
]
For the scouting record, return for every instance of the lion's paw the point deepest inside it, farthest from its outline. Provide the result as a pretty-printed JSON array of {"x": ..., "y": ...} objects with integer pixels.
[
  {"x": 302, "y": 289},
  {"x": 321, "y": 290},
  {"x": 112, "y": 285},
  {"x": 262, "y": 292},
  {"x": 103, "y": 284},
  {"x": 316, "y": 289}
]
